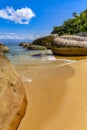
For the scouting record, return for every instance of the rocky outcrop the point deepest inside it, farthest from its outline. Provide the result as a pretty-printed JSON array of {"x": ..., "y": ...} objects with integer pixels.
[
  {"x": 36, "y": 47},
  {"x": 69, "y": 45},
  {"x": 74, "y": 37},
  {"x": 4, "y": 48},
  {"x": 83, "y": 34},
  {"x": 44, "y": 41},
  {"x": 24, "y": 44},
  {"x": 12, "y": 96}
]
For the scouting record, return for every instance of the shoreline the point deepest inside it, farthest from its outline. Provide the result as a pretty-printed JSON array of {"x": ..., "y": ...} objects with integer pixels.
[{"x": 56, "y": 98}]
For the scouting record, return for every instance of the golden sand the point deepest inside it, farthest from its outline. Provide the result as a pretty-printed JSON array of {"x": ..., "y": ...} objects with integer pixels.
[{"x": 57, "y": 98}]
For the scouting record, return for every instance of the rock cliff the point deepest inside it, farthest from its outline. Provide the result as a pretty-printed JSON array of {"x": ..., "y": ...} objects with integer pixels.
[{"x": 13, "y": 100}]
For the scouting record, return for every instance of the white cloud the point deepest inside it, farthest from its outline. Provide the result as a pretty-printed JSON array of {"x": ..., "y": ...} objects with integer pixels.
[
  {"x": 21, "y": 16},
  {"x": 16, "y": 36}
]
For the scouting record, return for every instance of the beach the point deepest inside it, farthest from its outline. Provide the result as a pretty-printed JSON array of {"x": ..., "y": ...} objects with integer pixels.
[
  {"x": 56, "y": 96},
  {"x": 43, "y": 65}
]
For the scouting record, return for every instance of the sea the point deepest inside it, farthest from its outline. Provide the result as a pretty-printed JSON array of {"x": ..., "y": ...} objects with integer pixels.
[
  {"x": 42, "y": 58},
  {"x": 29, "y": 63}
]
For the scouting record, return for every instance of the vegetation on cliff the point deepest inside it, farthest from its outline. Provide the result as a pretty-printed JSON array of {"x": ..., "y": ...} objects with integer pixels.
[{"x": 74, "y": 25}]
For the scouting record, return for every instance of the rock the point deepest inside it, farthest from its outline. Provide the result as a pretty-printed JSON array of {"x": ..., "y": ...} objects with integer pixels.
[
  {"x": 83, "y": 34},
  {"x": 1, "y": 44},
  {"x": 54, "y": 35},
  {"x": 74, "y": 37},
  {"x": 48, "y": 45},
  {"x": 44, "y": 41},
  {"x": 24, "y": 44},
  {"x": 4, "y": 48},
  {"x": 12, "y": 96},
  {"x": 37, "y": 55},
  {"x": 36, "y": 47},
  {"x": 49, "y": 53},
  {"x": 69, "y": 46}
]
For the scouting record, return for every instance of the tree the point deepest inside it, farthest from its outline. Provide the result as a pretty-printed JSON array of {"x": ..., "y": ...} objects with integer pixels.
[
  {"x": 75, "y": 14},
  {"x": 74, "y": 25}
]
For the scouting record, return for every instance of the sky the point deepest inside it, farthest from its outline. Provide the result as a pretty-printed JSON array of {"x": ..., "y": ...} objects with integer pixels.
[{"x": 30, "y": 19}]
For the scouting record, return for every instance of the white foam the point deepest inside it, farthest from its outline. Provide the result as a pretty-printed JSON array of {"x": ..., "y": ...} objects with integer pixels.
[
  {"x": 26, "y": 79},
  {"x": 29, "y": 80},
  {"x": 51, "y": 58}
]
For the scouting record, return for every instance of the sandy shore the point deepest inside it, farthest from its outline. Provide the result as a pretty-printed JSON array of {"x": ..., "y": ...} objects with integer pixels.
[{"x": 57, "y": 98}]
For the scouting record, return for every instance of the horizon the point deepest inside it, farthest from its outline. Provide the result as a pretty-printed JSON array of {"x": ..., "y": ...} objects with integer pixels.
[{"x": 30, "y": 19}]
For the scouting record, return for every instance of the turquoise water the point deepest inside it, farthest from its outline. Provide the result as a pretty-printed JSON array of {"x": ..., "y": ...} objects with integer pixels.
[{"x": 19, "y": 55}]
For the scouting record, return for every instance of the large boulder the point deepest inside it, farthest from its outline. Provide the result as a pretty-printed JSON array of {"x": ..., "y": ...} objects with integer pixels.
[
  {"x": 83, "y": 34},
  {"x": 36, "y": 47},
  {"x": 12, "y": 96},
  {"x": 44, "y": 41},
  {"x": 74, "y": 37},
  {"x": 4, "y": 48},
  {"x": 70, "y": 46}
]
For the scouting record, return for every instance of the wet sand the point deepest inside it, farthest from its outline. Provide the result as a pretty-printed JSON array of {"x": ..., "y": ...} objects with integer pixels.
[{"x": 57, "y": 97}]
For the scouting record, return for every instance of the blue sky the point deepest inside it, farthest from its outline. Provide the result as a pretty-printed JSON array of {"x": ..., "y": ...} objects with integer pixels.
[{"x": 33, "y": 18}]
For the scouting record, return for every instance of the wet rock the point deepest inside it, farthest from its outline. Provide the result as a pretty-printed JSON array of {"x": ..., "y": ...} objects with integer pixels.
[
  {"x": 37, "y": 55},
  {"x": 4, "y": 48},
  {"x": 24, "y": 44},
  {"x": 36, "y": 47}
]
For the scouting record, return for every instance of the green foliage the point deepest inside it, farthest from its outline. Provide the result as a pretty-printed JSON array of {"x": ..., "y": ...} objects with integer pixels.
[{"x": 74, "y": 25}]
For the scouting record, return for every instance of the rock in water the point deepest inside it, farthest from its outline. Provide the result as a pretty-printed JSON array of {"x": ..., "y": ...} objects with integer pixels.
[
  {"x": 13, "y": 100},
  {"x": 4, "y": 48},
  {"x": 44, "y": 41},
  {"x": 36, "y": 47},
  {"x": 24, "y": 44}
]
